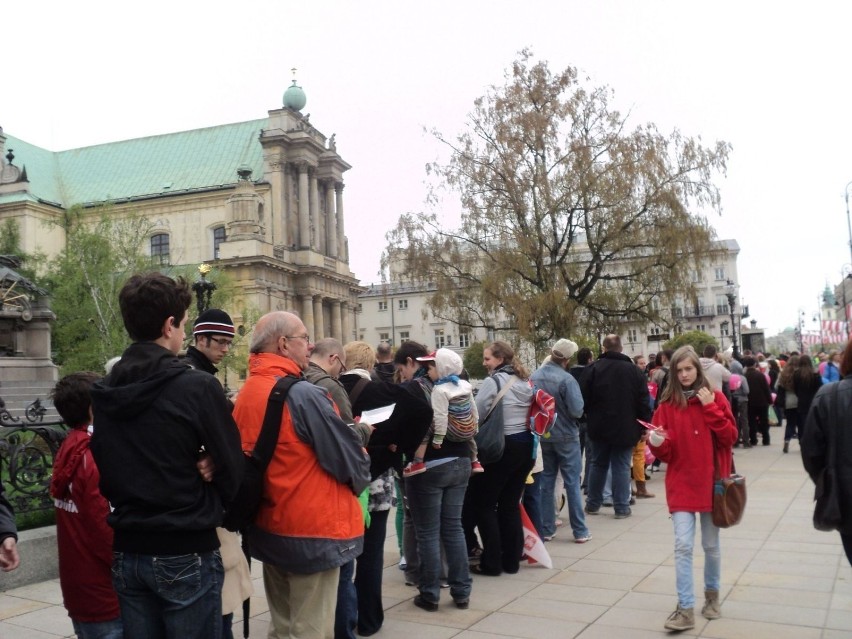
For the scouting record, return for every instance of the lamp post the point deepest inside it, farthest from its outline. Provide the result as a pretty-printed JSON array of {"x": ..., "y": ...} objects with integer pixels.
[
  {"x": 845, "y": 274},
  {"x": 800, "y": 329},
  {"x": 731, "y": 294},
  {"x": 724, "y": 330}
]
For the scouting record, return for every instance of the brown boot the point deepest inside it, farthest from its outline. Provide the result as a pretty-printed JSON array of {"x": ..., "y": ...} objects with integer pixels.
[
  {"x": 681, "y": 619},
  {"x": 712, "y": 608},
  {"x": 642, "y": 492}
]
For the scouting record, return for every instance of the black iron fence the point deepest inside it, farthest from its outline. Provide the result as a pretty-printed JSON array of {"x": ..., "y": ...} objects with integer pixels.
[{"x": 28, "y": 447}]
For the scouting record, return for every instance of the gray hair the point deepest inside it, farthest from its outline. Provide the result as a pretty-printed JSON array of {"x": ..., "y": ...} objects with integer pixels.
[
  {"x": 269, "y": 328},
  {"x": 328, "y": 346}
]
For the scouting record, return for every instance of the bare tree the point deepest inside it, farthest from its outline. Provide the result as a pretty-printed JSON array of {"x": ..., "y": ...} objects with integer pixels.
[{"x": 571, "y": 222}]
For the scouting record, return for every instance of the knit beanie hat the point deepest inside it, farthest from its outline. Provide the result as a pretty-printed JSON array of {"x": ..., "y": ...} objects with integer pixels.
[{"x": 214, "y": 321}]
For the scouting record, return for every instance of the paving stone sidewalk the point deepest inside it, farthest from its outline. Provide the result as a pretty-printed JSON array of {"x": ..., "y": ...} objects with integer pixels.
[{"x": 781, "y": 579}]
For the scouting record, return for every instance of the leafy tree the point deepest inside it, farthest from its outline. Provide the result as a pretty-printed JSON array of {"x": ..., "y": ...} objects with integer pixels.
[
  {"x": 697, "y": 339},
  {"x": 100, "y": 253},
  {"x": 473, "y": 361},
  {"x": 571, "y": 221},
  {"x": 10, "y": 244}
]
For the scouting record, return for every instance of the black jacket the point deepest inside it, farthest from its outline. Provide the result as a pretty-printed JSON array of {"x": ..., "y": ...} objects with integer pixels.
[
  {"x": 759, "y": 395},
  {"x": 805, "y": 392},
  {"x": 406, "y": 428},
  {"x": 153, "y": 415},
  {"x": 615, "y": 393},
  {"x": 199, "y": 361},
  {"x": 828, "y": 427},
  {"x": 7, "y": 517}
]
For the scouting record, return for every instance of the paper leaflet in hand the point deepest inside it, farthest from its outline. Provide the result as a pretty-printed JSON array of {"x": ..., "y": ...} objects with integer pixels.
[
  {"x": 534, "y": 549},
  {"x": 649, "y": 425},
  {"x": 377, "y": 415}
]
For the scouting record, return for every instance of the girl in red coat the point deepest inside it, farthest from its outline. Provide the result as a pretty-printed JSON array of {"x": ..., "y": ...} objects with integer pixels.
[{"x": 694, "y": 425}]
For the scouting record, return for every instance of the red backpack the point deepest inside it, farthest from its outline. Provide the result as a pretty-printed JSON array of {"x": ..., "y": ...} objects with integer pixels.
[{"x": 542, "y": 412}]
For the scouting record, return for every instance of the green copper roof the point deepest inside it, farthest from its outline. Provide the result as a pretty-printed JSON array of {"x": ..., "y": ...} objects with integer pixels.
[{"x": 170, "y": 163}]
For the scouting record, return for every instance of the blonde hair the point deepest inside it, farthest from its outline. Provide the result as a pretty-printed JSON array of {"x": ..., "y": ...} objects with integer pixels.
[
  {"x": 673, "y": 392},
  {"x": 360, "y": 355}
]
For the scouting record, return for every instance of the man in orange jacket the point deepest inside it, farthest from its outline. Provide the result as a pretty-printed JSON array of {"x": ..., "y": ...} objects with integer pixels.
[{"x": 310, "y": 522}]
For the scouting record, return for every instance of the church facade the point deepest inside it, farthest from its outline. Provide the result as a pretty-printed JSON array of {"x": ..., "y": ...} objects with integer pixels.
[{"x": 261, "y": 200}]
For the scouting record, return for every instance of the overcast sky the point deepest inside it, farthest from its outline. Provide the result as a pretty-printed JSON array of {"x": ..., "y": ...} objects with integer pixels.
[{"x": 772, "y": 78}]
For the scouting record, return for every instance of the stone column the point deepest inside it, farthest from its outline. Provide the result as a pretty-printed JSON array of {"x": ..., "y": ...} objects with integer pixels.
[
  {"x": 319, "y": 331},
  {"x": 308, "y": 313},
  {"x": 304, "y": 212},
  {"x": 347, "y": 323},
  {"x": 336, "y": 321},
  {"x": 277, "y": 233},
  {"x": 314, "y": 204},
  {"x": 331, "y": 220},
  {"x": 341, "y": 236}
]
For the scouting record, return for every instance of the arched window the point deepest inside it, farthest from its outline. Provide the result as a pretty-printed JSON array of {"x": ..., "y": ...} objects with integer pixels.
[
  {"x": 218, "y": 238},
  {"x": 160, "y": 248}
]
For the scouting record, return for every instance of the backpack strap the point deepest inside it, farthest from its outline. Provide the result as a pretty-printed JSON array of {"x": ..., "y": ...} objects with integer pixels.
[
  {"x": 355, "y": 393},
  {"x": 265, "y": 445},
  {"x": 500, "y": 395}
]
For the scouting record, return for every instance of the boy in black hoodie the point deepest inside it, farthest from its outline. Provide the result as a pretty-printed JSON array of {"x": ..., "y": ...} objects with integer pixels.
[{"x": 155, "y": 416}]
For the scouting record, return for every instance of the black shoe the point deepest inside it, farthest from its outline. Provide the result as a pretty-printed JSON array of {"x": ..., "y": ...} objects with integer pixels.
[
  {"x": 429, "y": 606},
  {"x": 786, "y": 447},
  {"x": 478, "y": 570},
  {"x": 462, "y": 604}
]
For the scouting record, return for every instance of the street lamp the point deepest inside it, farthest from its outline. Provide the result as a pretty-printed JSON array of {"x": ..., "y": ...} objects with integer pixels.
[
  {"x": 800, "y": 330},
  {"x": 731, "y": 294},
  {"x": 724, "y": 326}
]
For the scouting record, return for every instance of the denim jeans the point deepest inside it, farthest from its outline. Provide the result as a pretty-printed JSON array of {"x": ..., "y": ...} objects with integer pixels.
[
  {"x": 169, "y": 596},
  {"x": 435, "y": 499},
  {"x": 562, "y": 455},
  {"x": 620, "y": 458},
  {"x": 684, "y": 531},
  {"x": 793, "y": 428},
  {"x": 532, "y": 502},
  {"x": 98, "y": 629},
  {"x": 346, "y": 611}
]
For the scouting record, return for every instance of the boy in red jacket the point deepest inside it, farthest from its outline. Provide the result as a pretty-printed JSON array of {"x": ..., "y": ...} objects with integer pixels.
[{"x": 82, "y": 532}]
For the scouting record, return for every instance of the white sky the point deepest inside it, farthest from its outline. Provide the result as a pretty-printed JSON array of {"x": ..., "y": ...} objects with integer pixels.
[{"x": 772, "y": 78}]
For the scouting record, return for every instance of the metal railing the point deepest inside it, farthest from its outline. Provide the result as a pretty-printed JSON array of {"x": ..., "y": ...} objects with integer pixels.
[{"x": 27, "y": 450}]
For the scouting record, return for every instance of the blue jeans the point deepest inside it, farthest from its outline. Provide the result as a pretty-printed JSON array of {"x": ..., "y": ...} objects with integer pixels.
[
  {"x": 169, "y": 596},
  {"x": 435, "y": 499},
  {"x": 620, "y": 458},
  {"x": 532, "y": 502},
  {"x": 684, "y": 531},
  {"x": 98, "y": 629},
  {"x": 346, "y": 611},
  {"x": 562, "y": 455}
]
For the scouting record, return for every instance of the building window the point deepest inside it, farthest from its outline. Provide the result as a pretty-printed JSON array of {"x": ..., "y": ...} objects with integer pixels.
[
  {"x": 696, "y": 276},
  {"x": 404, "y": 337},
  {"x": 403, "y": 304},
  {"x": 725, "y": 329},
  {"x": 464, "y": 340},
  {"x": 160, "y": 248},
  {"x": 720, "y": 273},
  {"x": 383, "y": 305},
  {"x": 491, "y": 335},
  {"x": 701, "y": 327},
  {"x": 440, "y": 338},
  {"x": 218, "y": 238},
  {"x": 721, "y": 305},
  {"x": 632, "y": 336},
  {"x": 361, "y": 337},
  {"x": 655, "y": 330},
  {"x": 384, "y": 337}
]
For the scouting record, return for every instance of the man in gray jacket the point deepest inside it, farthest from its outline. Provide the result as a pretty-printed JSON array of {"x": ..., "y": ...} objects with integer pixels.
[{"x": 561, "y": 450}]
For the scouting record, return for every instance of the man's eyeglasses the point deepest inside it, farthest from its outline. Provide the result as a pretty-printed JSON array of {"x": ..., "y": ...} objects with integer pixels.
[
  {"x": 305, "y": 337},
  {"x": 223, "y": 343}
]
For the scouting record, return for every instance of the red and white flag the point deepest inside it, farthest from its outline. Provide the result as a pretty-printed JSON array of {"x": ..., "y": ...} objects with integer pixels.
[{"x": 534, "y": 549}]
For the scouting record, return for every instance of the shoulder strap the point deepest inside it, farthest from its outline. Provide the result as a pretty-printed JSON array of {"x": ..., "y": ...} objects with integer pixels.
[
  {"x": 355, "y": 393},
  {"x": 268, "y": 437},
  {"x": 512, "y": 380}
]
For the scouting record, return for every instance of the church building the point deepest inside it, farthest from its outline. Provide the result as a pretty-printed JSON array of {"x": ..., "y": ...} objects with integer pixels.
[{"x": 261, "y": 200}]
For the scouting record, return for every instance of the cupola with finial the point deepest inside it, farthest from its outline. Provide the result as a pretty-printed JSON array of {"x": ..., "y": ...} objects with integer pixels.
[{"x": 294, "y": 96}]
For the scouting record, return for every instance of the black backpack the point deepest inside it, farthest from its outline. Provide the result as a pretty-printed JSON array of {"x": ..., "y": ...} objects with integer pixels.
[{"x": 242, "y": 511}]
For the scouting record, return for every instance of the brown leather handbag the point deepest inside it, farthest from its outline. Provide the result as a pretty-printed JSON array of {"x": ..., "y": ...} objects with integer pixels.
[{"x": 729, "y": 497}]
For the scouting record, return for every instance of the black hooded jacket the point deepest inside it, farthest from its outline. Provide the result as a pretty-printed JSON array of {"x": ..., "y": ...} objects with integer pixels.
[{"x": 153, "y": 415}]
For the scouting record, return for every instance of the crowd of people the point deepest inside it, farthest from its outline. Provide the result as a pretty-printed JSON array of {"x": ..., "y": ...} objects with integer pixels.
[{"x": 157, "y": 455}]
